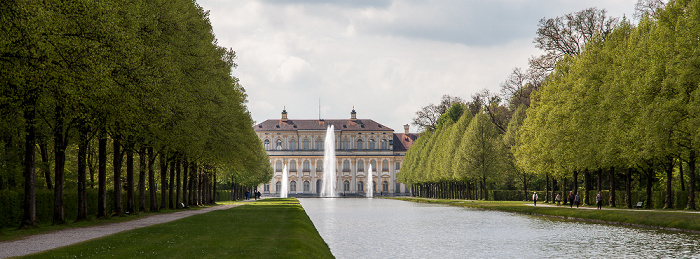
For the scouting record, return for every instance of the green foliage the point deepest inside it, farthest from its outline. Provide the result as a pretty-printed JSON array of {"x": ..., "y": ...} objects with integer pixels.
[
  {"x": 147, "y": 72},
  {"x": 626, "y": 101}
]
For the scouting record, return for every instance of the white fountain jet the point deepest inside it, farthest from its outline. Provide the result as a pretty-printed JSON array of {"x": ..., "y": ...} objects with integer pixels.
[
  {"x": 370, "y": 183},
  {"x": 329, "y": 163},
  {"x": 285, "y": 182}
]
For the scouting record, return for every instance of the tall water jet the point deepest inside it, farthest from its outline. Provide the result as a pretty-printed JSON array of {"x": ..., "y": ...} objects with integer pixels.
[
  {"x": 329, "y": 163},
  {"x": 370, "y": 183},
  {"x": 285, "y": 182}
]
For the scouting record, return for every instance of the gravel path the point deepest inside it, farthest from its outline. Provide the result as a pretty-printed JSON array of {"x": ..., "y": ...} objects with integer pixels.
[{"x": 43, "y": 242}]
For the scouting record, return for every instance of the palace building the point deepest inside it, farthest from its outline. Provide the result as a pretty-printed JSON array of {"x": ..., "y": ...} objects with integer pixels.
[{"x": 359, "y": 143}]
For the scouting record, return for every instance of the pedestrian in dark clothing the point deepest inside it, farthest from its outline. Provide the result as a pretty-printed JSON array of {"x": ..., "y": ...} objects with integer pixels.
[
  {"x": 571, "y": 199},
  {"x": 599, "y": 200},
  {"x": 577, "y": 200},
  {"x": 247, "y": 195}
]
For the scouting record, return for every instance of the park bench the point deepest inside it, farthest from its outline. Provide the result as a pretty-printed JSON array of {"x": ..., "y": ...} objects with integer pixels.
[{"x": 639, "y": 205}]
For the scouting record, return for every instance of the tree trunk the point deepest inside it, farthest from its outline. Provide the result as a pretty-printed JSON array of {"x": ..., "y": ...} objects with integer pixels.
[
  {"x": 213, "y": 188},
  {"x": 650, "y": 181},
  {"x": 191, "y": 185},
  {"x": 668, "y": 202},
  {"x": 612, "y": 187},
  {"x": 587, "y": 187},
  {"x": 200, "y": 193},
  {"x": 691, "y": 180},
  {"x": 82, "y": 166},
  {"x": 117, "y": 161},
  {"x": 554, "y": 188},
  {"x": 46, "y": 166},
  {"x": 563, "y": 189},
  {"x": 178, "y": 186},
  {"x": 171, "y": 192},
  {"x": 102, "y": 176},
  {"x": 681, "y": 178},
  {"x": 152, "y": 180},
  {"x": 546, "y": 188},
  {"x": 163, "y": 180},
  {"x": 628, "y": 188},
  {"x": 142, "y": 179},
  {"x": 185, "y": 171},
  {"x": 91, "y": 165},
  {"x": 130, "y": 202},
  {"x": 600, "y": 180},
  {"x": 59, "y": 170},
  {"x": 29, "y": 216},
  {"x": 575, "y": 183}
]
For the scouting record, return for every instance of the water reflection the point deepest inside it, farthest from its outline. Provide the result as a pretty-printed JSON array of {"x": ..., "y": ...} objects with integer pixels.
[{"x": 380, "y": 228}]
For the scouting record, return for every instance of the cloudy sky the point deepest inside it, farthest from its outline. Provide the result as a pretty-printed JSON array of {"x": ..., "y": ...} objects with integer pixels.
[{"x": 387, "y": 58}]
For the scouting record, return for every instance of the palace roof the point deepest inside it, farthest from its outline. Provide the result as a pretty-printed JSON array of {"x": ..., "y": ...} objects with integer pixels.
[
  {"x": 349, "y": 124},
  {"x": 403, "y": 141}
]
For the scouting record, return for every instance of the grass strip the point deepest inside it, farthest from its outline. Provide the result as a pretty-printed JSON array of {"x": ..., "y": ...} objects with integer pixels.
[
  {"x": 270, "y": 228},
  {"x": 658, "y": 219},
  {"x": 13, "y": 233}
]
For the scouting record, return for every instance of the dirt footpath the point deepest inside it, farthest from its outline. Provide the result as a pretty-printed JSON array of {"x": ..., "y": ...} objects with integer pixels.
[{"x": 43, "y": 242}]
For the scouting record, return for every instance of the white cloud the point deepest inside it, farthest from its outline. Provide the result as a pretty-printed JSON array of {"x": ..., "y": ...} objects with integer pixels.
[{"x": 387, "y": 58}]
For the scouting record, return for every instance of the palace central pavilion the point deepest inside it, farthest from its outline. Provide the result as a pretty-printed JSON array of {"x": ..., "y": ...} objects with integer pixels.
[{"x": 299, "y": 144}]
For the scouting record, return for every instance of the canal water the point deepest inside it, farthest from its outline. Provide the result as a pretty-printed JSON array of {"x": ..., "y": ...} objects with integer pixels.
[{"x": 383, "y": 228}]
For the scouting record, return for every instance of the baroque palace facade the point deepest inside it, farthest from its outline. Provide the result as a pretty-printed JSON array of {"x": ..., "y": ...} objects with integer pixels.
[{"x": 359, "y": 143}]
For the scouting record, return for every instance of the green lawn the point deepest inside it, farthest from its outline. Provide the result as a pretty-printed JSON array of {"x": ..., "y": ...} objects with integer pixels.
[
  {"x": 643, "y": 218},
  {"x": 270, "y": 228}
]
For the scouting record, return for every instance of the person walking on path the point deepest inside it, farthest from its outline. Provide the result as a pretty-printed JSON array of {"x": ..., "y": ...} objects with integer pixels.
[
  {"x": 577, "y": 200},
  {"x": 571, "y": 199},
  {"x": 599, "y": 200},
  {"x": 558, "y": 199},
  {"x": 247, "y": 195},
  {"x": 534, "y": 198}
]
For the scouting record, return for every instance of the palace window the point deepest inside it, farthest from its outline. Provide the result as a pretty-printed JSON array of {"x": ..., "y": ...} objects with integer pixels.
[
  {"x": 371, "y": 144},
  {"x": 359, "y": 143},
  {"x": 373, "y": 164},
  {"x": 346, "y": 166},
  {"x": 384, "y": 145},
  {"x": 398, "y": 166},
  {"x": 346, "y": 186},
  {"x": 319, "y": 165},
  {"x": 293, "y": 186},
  {"x": 267, "y": 188},
  {"x": 278, "y": 146},
  {"x": 293, "y": 144},
  {"x": 374, "y": 186},
  {"x": 306, "y": 144},
  {"x": 306, "y": 166},
  {"x": 267, "y": 144},
  {"x": 360, "y": 186},
  {"x": 307, "y": 186},
  {"x": 292, "y": 166},
  {"x": 346, "y": 144},
  {"x": 385, "y": 166},
  {"x": 278, "y": 187},
  {"x": 278, "y": 166},
  {"x": 360, "y": 166},
  {"x": 398, "y": 188},
  {"x": 319, "y": 144},
  {"x": 385, "y": 186}
]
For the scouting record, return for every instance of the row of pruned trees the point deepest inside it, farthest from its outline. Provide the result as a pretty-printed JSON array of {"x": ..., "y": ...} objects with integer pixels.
[
  {"x": 626, "y": 105},
  {"x": 145, "y": 76},
  {"x": 608, "y": 101}
]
